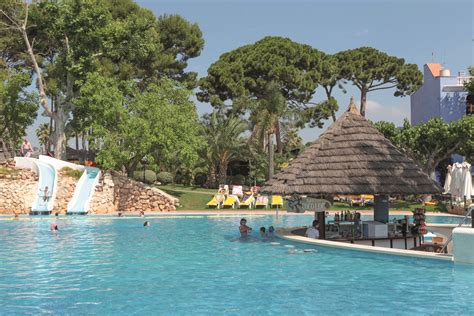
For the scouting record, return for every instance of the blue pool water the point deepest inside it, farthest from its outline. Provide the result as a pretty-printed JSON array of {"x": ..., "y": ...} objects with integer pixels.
[{"x": 198, "y": 265}]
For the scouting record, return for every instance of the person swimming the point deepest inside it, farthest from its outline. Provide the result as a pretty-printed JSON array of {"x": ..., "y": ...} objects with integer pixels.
[
  {"x": 271, "y": 230},
  {"x": 146, "y": 224},
  {"x": 263, "y": 232},
  {"x": 244, "y": 229},
  {"x": 54, "y": 227}
]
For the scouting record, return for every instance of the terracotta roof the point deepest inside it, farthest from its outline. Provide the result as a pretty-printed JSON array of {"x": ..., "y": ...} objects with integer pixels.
[
  {"x": 352, "y": 157},
  {"x": 435, "y": 69}
]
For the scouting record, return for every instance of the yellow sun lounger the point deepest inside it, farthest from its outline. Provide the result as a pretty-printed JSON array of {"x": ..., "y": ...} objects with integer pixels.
[
  {"x": 248, "y": 200},
  {"x": 231, "y": 201},
  {"x": 277, "y": 201},
  {"x": 216, "y": 201}
]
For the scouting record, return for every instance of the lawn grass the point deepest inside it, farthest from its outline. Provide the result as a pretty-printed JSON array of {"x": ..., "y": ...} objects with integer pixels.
[
  {"x": 193, "y": 198},
  {"x": 188, "y": 200}
]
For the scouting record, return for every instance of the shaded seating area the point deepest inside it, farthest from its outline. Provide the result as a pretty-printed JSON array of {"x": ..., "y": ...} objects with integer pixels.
[{"x": 352, "y": 158}]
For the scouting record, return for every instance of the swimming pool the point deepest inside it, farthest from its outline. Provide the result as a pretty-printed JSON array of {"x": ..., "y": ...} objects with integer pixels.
[{"x": 197, "y": 264}]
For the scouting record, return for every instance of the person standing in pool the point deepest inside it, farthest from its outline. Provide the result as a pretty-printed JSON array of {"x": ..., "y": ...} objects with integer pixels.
[
  {"x": 313, "y": 231},
  {"x": 244, "y": 229},
  {"x": 271, "y": 230},
  {"x": 263, "y": 232}
]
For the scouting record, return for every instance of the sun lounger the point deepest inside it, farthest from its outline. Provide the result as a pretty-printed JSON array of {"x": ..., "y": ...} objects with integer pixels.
[
  {"x": 262, "y": 201},
  {"x": 237, "y": 190},
  {"x": 248, "y": 200},
  {"x": 277, "y": 201},
  {"x": 231, "y": 201},
  {"x": 216, "y": 201}
]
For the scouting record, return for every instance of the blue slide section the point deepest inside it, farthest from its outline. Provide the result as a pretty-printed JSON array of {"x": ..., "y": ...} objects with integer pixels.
[
  {"x": 47, "y": 178},
  {"x": 79, "y": 203}
]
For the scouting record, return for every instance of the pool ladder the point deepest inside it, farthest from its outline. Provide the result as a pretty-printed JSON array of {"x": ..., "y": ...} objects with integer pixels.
[{"x": 469, "y": 212}]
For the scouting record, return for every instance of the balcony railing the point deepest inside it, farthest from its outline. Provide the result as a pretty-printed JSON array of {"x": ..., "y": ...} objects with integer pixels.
[{"x": 464, "y": 79}]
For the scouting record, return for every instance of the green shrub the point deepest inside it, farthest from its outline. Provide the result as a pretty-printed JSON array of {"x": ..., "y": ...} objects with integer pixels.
[
  {"x": 165, "y": 177},
  {"x": 200, "y": 178},
  {"x": 150, "y": 176},
  {"x": 73, "y": 173},
  {"x": 238, "y": 179}
]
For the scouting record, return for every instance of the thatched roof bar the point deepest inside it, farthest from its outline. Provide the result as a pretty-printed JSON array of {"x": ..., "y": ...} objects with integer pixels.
[{"x": 352, "y": 157}]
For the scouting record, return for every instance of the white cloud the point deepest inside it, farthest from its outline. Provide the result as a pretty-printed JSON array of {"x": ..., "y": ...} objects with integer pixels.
[{"x": 387, "y": 112}]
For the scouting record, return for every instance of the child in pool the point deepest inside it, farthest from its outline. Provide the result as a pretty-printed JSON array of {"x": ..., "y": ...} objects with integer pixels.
[{"x": 244, "y": 229}]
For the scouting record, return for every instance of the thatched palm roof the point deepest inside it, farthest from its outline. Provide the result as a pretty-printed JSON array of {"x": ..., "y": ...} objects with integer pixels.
[{"x": 352, "y": 157}]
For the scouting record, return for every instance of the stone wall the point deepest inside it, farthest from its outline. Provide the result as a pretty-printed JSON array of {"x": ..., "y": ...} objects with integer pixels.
[
  {"x": 65, "y": 190},
  {"x": 116, "y": 193},
  {"x": 17, "y": 189}
]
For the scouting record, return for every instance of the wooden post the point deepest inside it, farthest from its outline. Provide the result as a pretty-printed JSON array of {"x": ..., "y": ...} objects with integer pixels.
[
  {"x": 381, "y": 208},
  {"x": 321, "y": 217}
]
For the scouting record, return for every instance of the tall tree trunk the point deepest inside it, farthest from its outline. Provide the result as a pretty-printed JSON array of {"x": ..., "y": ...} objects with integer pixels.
[
  {"x": 328, "y": 96},
  {"x": 39, "y": 76},
  {"x": 222, "y": 172},
  {"x": 77, "y": 141},
  {"x": 211, "y": 179},
  {"x": 131, "y": 166},
  {"x": 278, "y": 138},
  {"x": 363, "y": 101},
  {"x": 271, "y": 163},
  {"x": 60, "y": 139}
]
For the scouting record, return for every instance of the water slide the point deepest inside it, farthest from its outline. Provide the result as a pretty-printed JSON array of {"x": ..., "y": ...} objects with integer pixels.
[
  {"x": 47, "y": 177},
  {"x": 79, "y": 203}
]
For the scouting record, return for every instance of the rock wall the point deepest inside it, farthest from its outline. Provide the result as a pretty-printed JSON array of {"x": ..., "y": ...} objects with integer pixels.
[
  {"x": 17, "y": 189},
  {"x": 64, "y": 192},
  {"x": 116, "y": 193}
]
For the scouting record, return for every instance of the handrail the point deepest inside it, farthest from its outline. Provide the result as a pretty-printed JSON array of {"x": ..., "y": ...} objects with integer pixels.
[{"x": 469, "y": 212}]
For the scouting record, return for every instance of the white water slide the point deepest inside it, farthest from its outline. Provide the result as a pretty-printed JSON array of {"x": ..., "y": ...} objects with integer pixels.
[
  {"x": 47, "y": 184},
  {"x": 46, "y": 168},
  {"x": 80, "y": 201}
]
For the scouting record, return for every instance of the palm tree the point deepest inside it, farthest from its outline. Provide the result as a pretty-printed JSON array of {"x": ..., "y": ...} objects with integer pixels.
[
  {"x": 224, "y": 141},
  {"x": 265, "y": 116},
  {"x": 43, "y": 134}
]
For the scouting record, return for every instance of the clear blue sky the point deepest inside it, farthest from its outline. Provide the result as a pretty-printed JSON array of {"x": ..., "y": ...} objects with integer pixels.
[{"x": 412, "y": 29}]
